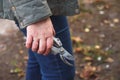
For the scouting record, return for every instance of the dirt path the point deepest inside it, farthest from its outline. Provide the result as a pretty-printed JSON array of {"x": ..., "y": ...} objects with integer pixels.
[
  {"x": 12, "y": 52},
  {"x": 99, "y": 24}
]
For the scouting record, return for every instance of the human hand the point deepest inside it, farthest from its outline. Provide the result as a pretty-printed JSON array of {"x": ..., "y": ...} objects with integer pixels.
[{"x": 40, "y": 36}]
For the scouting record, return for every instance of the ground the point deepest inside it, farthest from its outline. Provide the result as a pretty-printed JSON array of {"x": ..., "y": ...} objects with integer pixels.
[{"x": 95, "y": 35}]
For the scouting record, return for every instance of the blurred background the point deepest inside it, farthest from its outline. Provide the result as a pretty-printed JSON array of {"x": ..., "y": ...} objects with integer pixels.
[{"x": 95, "y": 34}]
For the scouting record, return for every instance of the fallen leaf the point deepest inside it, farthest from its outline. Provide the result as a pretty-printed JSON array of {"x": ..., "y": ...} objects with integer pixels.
[
  {"x": 89, "y": 26},
  {"x": 88, "y": 58},
  {"x": 88, "y": 71},
  {"x": 109, "y": 60},
  {"x": 106, "y": 21},
  {"x": 116, "y": 20},
  {"x": 107, "y": 6},
  {"x": 97, "y": 46},
  {"x": 112, "y": 25},
  {"x": 77, "y": 39},
  {"x": 17, "y": 70},
  {"x": 100, "y": 7},
  {"x": 87, "y": 30},
  {"x": 78, "y": 50},
  {"x": 21, "y": 74},
  {"x": 101, "y": 12},
  {"x": 21, "y": 51}
]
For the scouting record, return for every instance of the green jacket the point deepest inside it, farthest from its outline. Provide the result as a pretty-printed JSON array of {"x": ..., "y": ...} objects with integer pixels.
[{"x": 31, "y": 11}]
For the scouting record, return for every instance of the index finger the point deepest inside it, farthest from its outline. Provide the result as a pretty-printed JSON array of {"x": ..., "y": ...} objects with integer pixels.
[{"x": 29, "y": 41}]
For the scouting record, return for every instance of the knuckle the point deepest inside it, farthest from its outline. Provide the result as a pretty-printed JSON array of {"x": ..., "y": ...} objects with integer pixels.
[
  {"x": 35, "y": 34},
  {"x": 42, "y": 34},
  {"x": 35, "y": 43},
  {"x": 48, "y": 35}
]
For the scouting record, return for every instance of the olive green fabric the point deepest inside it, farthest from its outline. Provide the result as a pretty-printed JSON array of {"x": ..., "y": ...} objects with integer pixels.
[{"x": 30, "y": 11}]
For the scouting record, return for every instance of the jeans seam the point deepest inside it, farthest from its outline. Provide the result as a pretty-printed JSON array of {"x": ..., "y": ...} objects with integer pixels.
[{"x": 62, "y": 30}]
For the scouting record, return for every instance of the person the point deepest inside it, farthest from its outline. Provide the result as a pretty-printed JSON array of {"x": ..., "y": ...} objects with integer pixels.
[{"x": 40, "y": 21}]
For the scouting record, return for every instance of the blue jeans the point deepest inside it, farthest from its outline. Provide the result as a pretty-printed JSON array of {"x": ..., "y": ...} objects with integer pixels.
[{"x": 51, "y": 67}]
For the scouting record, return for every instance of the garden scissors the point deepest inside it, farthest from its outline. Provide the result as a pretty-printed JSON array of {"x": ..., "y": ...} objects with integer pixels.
[{"x": 57, "y": 48}]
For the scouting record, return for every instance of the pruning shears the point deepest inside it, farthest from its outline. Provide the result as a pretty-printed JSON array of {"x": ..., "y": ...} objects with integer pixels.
[{"x": 57, "y": 48}]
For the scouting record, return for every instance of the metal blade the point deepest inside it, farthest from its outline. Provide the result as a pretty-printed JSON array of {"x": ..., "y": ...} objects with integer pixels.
[
  {"x": 55, "y": 50},
  {"x": 66, "y": 54},
  {"x": 62, "y": 52},
  {"x": 65, "y": 61}
]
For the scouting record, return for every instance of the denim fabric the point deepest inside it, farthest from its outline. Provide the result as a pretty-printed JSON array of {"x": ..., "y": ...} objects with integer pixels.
[{"x": 51, "y": 67}]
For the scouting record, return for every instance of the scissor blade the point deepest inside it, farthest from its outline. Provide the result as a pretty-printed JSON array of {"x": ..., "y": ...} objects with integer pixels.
[
  {"x": 67, "y": 55},
  {"x": 55, "y": 50},
  {"x": 65, "y": 61},
  {"x": 64, "y": 55},
  {"x": 63, "y": 52}
]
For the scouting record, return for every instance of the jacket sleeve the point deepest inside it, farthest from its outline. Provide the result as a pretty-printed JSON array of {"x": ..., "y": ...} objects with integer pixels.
[{"x": 30, "y": 11}]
